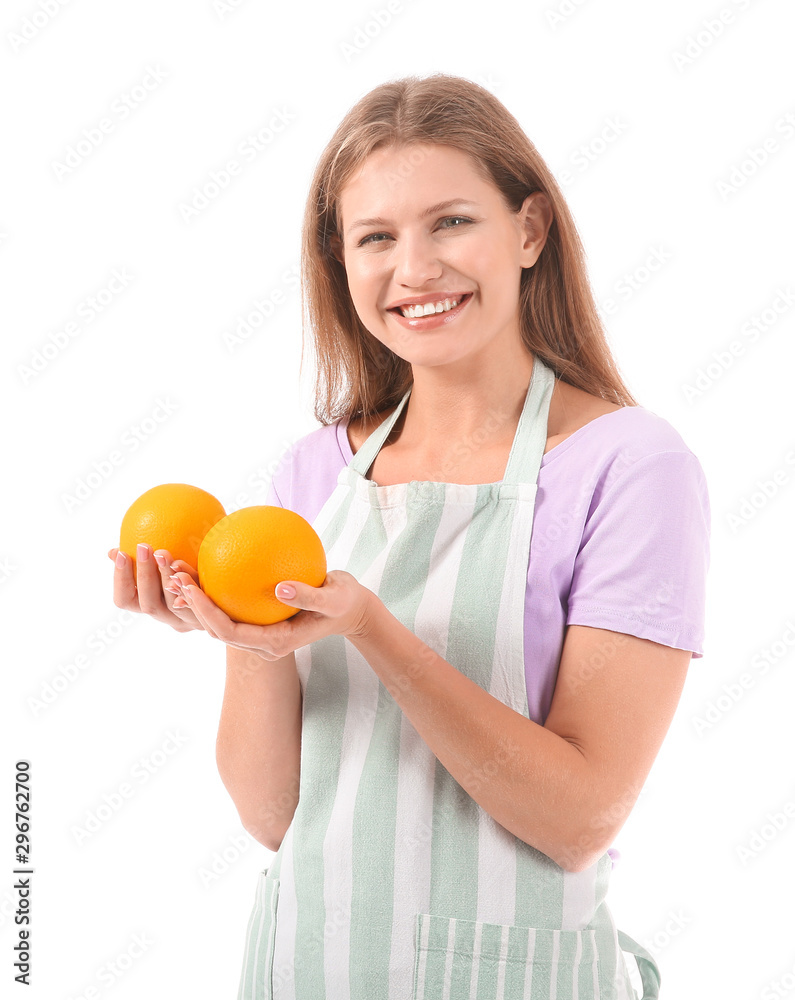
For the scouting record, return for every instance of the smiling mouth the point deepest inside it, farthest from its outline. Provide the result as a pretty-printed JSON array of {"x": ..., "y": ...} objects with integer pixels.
[{"x": 430, "y": 308}]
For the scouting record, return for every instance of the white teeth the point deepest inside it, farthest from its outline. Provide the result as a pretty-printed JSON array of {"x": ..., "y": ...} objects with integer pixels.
[{"x": 413, "y": 312}]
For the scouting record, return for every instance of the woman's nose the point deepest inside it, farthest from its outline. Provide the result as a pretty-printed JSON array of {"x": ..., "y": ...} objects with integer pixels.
[{"x": 416, "y": 261}]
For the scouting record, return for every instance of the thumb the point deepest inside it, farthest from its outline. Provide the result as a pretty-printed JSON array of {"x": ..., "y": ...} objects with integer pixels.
[
  {"x": 304, "y": 595},
  {"x": 287, "y": 593}
]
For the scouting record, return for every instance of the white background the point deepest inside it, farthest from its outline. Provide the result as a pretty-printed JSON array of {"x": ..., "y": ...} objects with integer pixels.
[{"x": 720, "y": 924}]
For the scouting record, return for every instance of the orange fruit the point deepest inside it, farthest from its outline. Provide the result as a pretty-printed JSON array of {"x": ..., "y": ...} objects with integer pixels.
[
  {"x": 173, "y": 516},
  {"x": 245, "y": 554}
]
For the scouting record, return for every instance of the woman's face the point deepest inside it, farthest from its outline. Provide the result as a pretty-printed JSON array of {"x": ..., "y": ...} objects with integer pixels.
[{"x": 421, "y": 227}]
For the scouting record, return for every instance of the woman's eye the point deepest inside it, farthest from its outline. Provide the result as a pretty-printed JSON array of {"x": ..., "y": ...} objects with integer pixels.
[
  {"x": 455, "y": 218},
  {"x": 373, "y": 237},
  {"x": 449, "y": 222}
]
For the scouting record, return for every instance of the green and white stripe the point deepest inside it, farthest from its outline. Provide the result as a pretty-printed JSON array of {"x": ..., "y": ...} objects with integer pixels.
[{"x": 392, "y": 883}]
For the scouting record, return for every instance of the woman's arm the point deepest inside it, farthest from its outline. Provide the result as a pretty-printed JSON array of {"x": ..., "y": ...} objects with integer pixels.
[
  {"x": 565, "y": 788},
  {"x": 258, "y": 749}
]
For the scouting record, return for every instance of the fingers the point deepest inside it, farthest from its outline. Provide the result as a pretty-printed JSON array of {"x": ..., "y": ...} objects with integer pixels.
[
  {"x": 270, "y": 641},
  {"x": 148, "y": 595},
  {"x": 192, "y": 597},
  {"x": 124, "y": 595},
  {"x": 168, "y": 566},
  {"x": 179, "y": 612},
  {"x": 151, "y": 599},
  {"x": 171, "y": 590}
]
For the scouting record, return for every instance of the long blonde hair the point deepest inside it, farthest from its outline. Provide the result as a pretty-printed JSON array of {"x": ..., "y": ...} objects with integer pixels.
[{"x": 356, "y": 375}]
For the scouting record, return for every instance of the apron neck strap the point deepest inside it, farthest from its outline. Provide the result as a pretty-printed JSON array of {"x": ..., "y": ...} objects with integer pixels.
[
  {"x": 527, "y": 450},
  {"x": 365, "y": 456},
  {"x": 529, "y": 442}
]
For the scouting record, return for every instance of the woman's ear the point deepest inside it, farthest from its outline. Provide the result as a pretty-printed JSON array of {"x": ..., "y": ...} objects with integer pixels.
[
  {"x": 336, "y": 248},
  {"x": 535, "y": 218}
]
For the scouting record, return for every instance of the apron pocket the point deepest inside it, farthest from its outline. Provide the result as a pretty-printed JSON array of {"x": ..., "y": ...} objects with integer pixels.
[
  {"x": 467, "y": 959},
  {"x": 256, "y": 979}
]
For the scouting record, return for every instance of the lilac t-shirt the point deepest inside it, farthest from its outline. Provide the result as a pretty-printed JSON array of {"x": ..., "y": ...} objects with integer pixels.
[{"x": 620, "y": 534}]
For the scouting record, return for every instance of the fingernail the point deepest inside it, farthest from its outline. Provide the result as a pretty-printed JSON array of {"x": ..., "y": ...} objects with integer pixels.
[
  {"x": 142, "y": 553},
  {"x": 285, "y": 590},
  {"x": 160, "y": 559},
  {"x": 173, "y": 566},
  {"x": 121, "y": 560},
  {"x": 187, "y": 594}
]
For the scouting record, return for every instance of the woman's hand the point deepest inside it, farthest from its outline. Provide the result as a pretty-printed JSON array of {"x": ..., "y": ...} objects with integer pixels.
[
  {"x": 341, "y": 606},
  {"x": 155, "y": 593}
]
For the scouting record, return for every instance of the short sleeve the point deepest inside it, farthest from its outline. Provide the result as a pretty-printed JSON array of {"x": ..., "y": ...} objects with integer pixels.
[
  {"x": 306, "y": 472},
  {"x": 642, "y": 562},
  {"x": 273, "y": 499},
  {"x": 280, "y": 487}
]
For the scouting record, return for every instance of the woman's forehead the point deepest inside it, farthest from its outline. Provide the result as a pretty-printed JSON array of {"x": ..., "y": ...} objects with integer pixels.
[{"x": 410, "y": 178}]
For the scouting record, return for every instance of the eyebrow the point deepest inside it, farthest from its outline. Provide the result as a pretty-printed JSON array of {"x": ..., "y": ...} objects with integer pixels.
[{"x": 432, "y": 210}]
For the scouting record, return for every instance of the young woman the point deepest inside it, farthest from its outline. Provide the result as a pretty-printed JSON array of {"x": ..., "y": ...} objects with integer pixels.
[{"x": 441, "y": 746}]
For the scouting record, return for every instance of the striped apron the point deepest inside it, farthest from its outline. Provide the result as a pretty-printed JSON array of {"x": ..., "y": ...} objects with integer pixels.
[{"x": 391, "y": 882}]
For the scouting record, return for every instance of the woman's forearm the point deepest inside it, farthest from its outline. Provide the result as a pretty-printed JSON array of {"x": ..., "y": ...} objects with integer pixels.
[
  {"x": 258, "y": 749},
  {"x": 530, "y": 780}
]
